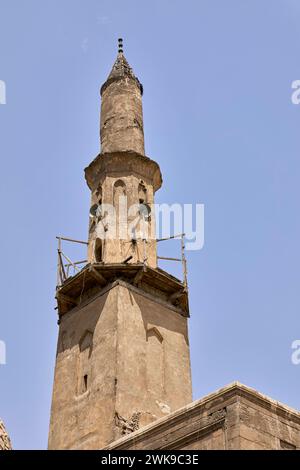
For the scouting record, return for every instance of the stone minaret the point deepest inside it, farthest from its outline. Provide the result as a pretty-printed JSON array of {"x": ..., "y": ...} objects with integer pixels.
[{"x": 123, "y": 352}]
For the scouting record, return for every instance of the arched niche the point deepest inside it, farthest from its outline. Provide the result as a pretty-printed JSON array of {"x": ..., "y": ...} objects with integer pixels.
[
  {"x": 98, "y": 250},
  {"x": 84, "y": 362},
  {"x": 142, "y": 191}
]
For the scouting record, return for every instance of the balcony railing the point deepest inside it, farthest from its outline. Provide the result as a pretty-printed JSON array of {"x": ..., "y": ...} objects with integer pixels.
[{"x": 67, "y": 268}]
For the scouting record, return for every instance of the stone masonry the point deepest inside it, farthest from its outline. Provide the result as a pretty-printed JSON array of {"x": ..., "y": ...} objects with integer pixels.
[{"x": 5, "y": 443}]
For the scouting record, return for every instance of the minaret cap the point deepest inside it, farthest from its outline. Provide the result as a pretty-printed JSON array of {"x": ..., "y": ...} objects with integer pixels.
[{"x": 121, "y": 69}]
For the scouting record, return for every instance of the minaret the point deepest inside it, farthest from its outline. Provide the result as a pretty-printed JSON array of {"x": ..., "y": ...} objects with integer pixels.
[{"x": 123, "y": 353}]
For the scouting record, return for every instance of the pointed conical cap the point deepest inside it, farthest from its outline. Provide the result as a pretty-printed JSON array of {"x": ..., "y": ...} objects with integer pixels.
[{"x": 120, "y": 70}]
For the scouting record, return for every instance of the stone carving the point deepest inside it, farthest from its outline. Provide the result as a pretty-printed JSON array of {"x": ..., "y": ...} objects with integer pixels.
[
  {"x": 5, "y": 443},
  {"x": 216, "y": 416},
  {"x": 127, "y": 426},
  {"x": 135, "y": 420}
]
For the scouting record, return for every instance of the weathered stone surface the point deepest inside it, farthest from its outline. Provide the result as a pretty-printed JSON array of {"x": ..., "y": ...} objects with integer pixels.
[
  {"x": 121, "y": 356},
  {"x": 99, "y": 277},
  {"x": 120, "y": 70},
  {"x": 5, "y": 443},
  {"x": 235, "y": 417},
  {"x": 121, "y": 181},
  {"x": 121, "y": 124}
]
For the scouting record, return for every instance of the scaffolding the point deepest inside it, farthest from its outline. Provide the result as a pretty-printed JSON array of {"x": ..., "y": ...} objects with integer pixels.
[
  {"x": 67, "y": 268},
  {"x": 64, "y": 263},
  {"x": 181, "y": 260}
]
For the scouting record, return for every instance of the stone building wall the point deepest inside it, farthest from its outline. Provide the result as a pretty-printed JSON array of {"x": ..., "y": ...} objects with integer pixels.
[
  {"x": 233, "y": 418},
  {"x": 122, "y": 362}
]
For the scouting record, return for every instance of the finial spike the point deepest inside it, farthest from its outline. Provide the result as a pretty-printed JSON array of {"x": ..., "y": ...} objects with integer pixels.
[{"x": 120, "y": 45}]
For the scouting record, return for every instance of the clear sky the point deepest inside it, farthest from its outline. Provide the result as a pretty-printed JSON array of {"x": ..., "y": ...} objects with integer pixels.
[{"x": 220, "y": 122}]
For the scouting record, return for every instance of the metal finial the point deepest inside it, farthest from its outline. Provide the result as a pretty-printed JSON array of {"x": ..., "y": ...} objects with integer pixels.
[{"x": 120, "y": 46}]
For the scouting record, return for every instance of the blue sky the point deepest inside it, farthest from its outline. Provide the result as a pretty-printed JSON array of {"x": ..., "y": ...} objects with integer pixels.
[{"x": 220, "y": 122}]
